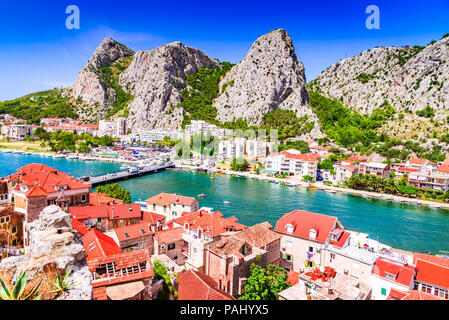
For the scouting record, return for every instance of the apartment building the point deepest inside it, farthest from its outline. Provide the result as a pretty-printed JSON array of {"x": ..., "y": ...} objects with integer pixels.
[
  {"x": 438, "y": 181},
  {"x": 18, "y": 132},
  {"x": 171, "y": 205},
  {"x": 293, "y": 163},
  {"x": 380, "y": 170},
  {"x": 345, "y": 172},
  {"x": 422, "y": 165}
]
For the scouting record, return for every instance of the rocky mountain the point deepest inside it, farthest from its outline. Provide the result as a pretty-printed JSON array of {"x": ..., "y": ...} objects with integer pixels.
[
  {"x": 155, "y": 78},
  {"x": 91, "y": 87},
  {"x": 270, "y": 77},
  {"x": 408, "y": 78}
]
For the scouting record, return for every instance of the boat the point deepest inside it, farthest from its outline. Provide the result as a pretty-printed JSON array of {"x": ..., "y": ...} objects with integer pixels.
[
  {"x": 290, "y": 185},
  {"x": 125, "y": 167},
  {"x": 72, "y": 157},
  {"x": 347, "y": 192},
  {"x": 201, "y": 195},
  {"x": 7, "y": 151},
  {"x": 212, "y": 177},
  {"x": 58, "y": 156},
  {"x": 434, "y": 206},
  {"x": 398, "y": 200},
  {"x": 226, "y": 202},
  {"x": 331, "y": 191}
]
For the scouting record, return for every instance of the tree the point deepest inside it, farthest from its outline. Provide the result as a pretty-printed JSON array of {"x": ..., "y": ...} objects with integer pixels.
[
  {"x": 307, "y": 178},
  {"x": 239, "y": 164},
  {"x": 265, "y": 284},
  {"x": 115, "y": 191}
]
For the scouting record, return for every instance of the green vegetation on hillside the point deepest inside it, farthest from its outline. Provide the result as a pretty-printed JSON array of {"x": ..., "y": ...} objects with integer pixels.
[
  {"x": 365, "y": 77},
  {"x": 44, "y": 104},
  {"x": 346, "y": 127},
  {"x": 287, "y": 123},
  {"x": 201, "y": 90},
  {"x": 111, "y": 75}
]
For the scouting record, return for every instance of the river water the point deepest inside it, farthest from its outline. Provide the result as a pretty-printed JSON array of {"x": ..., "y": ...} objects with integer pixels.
[{"x": 406, "y": 227}]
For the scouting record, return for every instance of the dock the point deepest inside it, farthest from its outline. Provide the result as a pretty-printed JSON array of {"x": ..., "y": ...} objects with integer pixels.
[{"x": 125, "y": 175}]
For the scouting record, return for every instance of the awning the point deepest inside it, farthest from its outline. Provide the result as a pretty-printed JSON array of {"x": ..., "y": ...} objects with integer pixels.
[{"x": 125, "y": 291}]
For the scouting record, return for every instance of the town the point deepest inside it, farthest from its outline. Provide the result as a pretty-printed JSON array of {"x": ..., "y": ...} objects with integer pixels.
[{"x": 170, "y": 247}]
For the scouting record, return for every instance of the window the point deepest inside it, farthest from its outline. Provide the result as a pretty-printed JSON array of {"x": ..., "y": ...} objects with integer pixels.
[
  {"x": 2, "y": 220},
  {"x": 383, "y": 291},
  {"x": 14, "y": 230},
  {"x": 332, "y": 256},
  {"x": 171, "y": 246},
  {"x": 310, "y": 249},
  {"x": 154, "y": 207},
  {"x": 288, "y": 257},
  {"x": 310, "y": 264},
  {"x": 83, "y": 198},
  {"x": 127, "y": 234},
  {"x": 7, "y": 219},
  {"x": 390, "y": 276},
  {"x": 99, "y": 220},
  {"x": 165, "y": 208},
  {"x": 426, "y": 288}
]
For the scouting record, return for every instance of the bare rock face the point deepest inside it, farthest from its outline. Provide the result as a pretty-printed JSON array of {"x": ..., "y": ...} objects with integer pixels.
[
  {"x": 408, "y": 78},
  {"x": 156, "y": 78},
  {"x": 91, "y": 87},
  {"x": 54, "y": 242},
  {"x": 269, "y": 77}
]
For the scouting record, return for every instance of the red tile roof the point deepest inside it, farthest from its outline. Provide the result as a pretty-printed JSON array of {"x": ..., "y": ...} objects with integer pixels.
[
  {"x": 431, "y": 273},
  {"x": 403, "y": 274},
  {"x": 212, "y": 224},
  {"x": 307, "y": 157},
  {"x": 47, "y": 178},
  {"x": 432, "y": 259},
  {"x": 169, "y": 236},
  {"x": 293, "y": 278},
  {"x": 443, "y": 168},
  {"x": 35, "y": 191},
  {"x": 79, "y": 227},
  {"x": 167, "y": 199},
  {"x": 133, "y": 231},
  {"x": 99, "y": 245},
  {"x": 357, "y": 158},
  {"x": 198, "y": 286},
  {"x": 304, "y": 221},
  {"x": 119, "y": 211},
  {"x": 152, "y": 218},
  {"x": 123, "y": 261},
  {"x": 100, "y": 199},
  {"x": 342, "y": 239},
  {"x": 418, "y": 161},
  {"x": 411, "y": 295}
]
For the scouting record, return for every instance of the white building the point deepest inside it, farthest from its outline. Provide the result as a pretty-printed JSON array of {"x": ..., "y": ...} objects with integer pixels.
[
  {"x": 293, "y": 163},
  {"x": 17, "y": 132}
]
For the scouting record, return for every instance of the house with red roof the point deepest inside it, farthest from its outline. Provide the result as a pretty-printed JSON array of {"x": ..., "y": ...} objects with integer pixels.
[
  {"x": 99, "y": 245},
  {"x": 435, "y": 181},
  {"x": 345, "y": 172},
  {"x": 194, "y": 285},
  {"x": 414, "y": 295},
  {"x": 171, "y": 205},
  {"x": 201, "y": 229},
  {"x": 228, "y": 260},
  {"x": 155, "y": 221},
  {"x": 36, "y": 186},
  {"x": 423, "y": 165},
  {"x": 304, "y": 238},
  {"x": 122, "y": 276},
  {"x": 134, "y": 237},
  {"x": 380, "y": 170},
  {"x": 388, "y": 275},
  {"x": 170, "y": 243},
  {"x": 101, "y": 199},
  {"x": 108, "y": 217},
  {"x": 432, "y": 275}
]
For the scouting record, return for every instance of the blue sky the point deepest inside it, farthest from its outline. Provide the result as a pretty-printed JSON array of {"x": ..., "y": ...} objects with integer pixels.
[{"x": 37, "y": 52}]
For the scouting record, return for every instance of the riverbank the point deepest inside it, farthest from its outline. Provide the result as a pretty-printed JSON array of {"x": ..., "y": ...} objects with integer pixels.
[{"x": 293, "y": 182}]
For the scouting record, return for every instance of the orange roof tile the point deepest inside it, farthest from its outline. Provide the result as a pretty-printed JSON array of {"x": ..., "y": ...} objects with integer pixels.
[
  {"x": 99, "y": 245},
  {"x": 403, "y": 274},
  {"x": 198, "y": 286},
  {"x": 432, "y": 273},
  {"x": 167, "y": 199},
  {"x": 118, "y": 211},
  {"x": 169, "y": 236},
  {"x": 212, "y": 224},
  {"x": 133, "y": 231},
  {"x": 304, "y": 221},
  {"x": 100, "y": 199}
]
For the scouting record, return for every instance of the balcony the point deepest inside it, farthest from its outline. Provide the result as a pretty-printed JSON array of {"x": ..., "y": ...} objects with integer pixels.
[{"x": 355, "y": 253}]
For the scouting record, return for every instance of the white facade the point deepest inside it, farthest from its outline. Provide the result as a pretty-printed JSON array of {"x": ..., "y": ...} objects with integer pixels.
[{"x": 17, "y": 132}]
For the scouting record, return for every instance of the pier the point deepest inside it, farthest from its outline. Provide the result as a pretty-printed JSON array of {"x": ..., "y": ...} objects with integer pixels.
[{"x": 125, "y": 175}]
